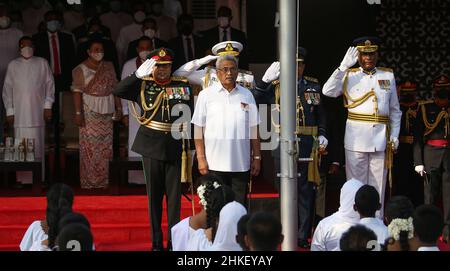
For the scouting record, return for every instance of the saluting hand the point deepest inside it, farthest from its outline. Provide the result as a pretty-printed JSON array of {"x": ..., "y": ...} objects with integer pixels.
[
  {"x": 350, "y": 59},
  {"x": 146, "y": 68},
  {"x": 272, "y": 73}
]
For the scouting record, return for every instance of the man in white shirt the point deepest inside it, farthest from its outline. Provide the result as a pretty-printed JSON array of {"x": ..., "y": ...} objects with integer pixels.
[
  {"x": 226, "y": 130},
  {"x": 330, "y": 229},
  {"x": 9, "y": 38},
  {"x": 130, "y": 32},
  {"x": 374, "y": 115},
  {"x": 115, "y": 19},
  {"x": 28, "y": 95},
  {"x": 428, "y": 223},
  {"x": 367, "y": 202},
  {"x": 33, "y": 15},
  {"x": 144, "y": 47}
]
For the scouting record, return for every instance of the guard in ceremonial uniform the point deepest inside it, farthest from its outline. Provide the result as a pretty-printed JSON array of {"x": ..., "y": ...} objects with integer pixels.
[
  {"x": 311, "y": 130},
  {"x": 208, "y": 76},
  {"x": 406, "y": 181},
  {"x": 432, "y": 145},
  {"x": 157, "y": 93},
  {"x": 374, "y": 116}
]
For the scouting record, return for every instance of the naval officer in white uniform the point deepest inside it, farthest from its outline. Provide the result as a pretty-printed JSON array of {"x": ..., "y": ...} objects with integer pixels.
[{"x": 373, "y": 123}]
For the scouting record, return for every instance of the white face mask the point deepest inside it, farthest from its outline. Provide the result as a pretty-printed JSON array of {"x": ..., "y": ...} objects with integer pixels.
[
  {"x": 223, "y": 22},
  {"x": 139, "y": 16},
  {"x": 150, "y": 33},
  {"x": 143, "y": 55},
  {"x": 27, "y": 52},
  {"x": 98, "y": 56},
  {"x": 5, "y": 22}
]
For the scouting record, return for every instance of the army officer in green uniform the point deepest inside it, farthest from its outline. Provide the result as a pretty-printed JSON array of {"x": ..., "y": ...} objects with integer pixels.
[{"x": 157, "y": 92}]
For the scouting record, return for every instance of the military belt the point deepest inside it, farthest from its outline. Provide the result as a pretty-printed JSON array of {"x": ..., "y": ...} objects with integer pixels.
[
  {"x": 165, "y": 127},
  {"x": 407, "y": 139},
  {"x": 307, "y": 130},
  {"x": 368, "y": 118}
]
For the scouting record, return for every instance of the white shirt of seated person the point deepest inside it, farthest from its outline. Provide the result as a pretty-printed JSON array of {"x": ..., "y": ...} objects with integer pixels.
[{"x": 330, "y": 229}]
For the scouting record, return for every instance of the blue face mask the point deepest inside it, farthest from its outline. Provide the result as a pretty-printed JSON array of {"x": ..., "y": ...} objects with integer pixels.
[{"x": 53, "y": 26}]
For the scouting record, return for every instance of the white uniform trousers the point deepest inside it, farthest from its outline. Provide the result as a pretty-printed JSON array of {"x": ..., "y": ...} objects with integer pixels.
[
  {"x": 368, "y": 168},
  {"x": 134, "y": 176},
  {"x": 38, "y": 133}
]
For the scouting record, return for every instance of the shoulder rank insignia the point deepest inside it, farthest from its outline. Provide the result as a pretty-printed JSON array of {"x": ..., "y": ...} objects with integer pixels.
[
  {"x": 275, "y": 82},
  {"x": 385, "y": 69},
  {"x": 311, "y": 79},
  {"x": 179, "y": 79}
]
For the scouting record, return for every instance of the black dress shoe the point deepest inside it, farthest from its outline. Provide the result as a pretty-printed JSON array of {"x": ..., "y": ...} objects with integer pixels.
[
  {"x": 169, "y": 246},
  {"x": 302, "y": 243},
  {"x": 157, "y": 247}
]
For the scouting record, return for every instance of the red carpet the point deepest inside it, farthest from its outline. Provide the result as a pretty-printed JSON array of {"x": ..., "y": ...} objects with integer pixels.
[{"x": 118, "y": 222}]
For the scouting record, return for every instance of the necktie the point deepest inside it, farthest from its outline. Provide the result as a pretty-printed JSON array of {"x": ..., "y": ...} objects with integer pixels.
[
  {"x": 190, "y": 54},
  {"x": 224, "y": 37},
  {"x": 56, "y": 67}
]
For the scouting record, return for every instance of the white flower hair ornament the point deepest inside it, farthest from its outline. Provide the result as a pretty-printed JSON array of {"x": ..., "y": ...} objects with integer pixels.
[
  {"x": 398, "y": 225},
  {"x": 201, "y": 193}
]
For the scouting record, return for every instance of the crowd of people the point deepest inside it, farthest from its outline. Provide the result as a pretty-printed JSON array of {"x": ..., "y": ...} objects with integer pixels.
[{"x": 163, "y": 64}]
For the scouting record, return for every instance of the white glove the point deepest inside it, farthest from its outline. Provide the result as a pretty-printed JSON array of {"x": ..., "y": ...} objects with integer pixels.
[
  {"x": 272, "y": 73},
  {"x": 420, "y": 169},
  {"x": 350, "y": 59},
  {"x": 395, "y": 141},
  {"x": 205, "y": 60},
  {"x": 323, "y": 141},
  {"x": 146, "y": 68}
]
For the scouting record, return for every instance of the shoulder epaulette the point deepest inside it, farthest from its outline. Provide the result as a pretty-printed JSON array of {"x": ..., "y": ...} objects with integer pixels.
[
  {"x": 385, "y": 69},
  {"x": 180, "y": 79},
  {"x": 148, "y": 78},
  {"x": 275, "y": 82},
  {"x": 245, "y": 71},
  {"x": 422, "y": 102},
  {"x": 354, "y": 70},
  {"x": 312, "y": 79}
]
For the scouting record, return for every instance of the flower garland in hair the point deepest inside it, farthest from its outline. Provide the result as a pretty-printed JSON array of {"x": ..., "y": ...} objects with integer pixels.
[
  {"x": 398, "y": 225},
  {"x": 201, "y": 189}
]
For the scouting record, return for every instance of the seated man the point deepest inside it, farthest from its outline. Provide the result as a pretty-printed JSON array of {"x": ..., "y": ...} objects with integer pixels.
[
  {"x": 330, "y": 229},
  {"x": 428, "y": 223},
  {"x": 358, "y": 238},
  {"x": 367, "y": 203},
  {"x": 263, "y": 232}
]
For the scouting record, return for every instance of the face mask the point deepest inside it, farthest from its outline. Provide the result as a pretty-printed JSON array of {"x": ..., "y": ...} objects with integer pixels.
[
  {"x": 53, "y": 26},
  {"x": 115, "y": 6},
  {"x": 98, "y": 56},
  {"x": 27, "y": 52},
  {"x": 143, "y": 55},
  {"x": 442, "y": 94},
  {"x": 157, "y": 9},
  {"x": 150, "y": 33},
  {"x": 139, "y": 16},
  {"x": 5, "y": 22},
  {"x": 223, "y": 22}
]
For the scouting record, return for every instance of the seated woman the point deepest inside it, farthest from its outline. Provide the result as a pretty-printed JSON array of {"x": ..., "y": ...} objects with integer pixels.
[
  {"x": 41, "y": 234},
  {"x": 398, "y": 217},
  {"x": 183, "y": 231},
  {"x": 225, "y": 239},
  {"x": 202, "y": 239}
]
